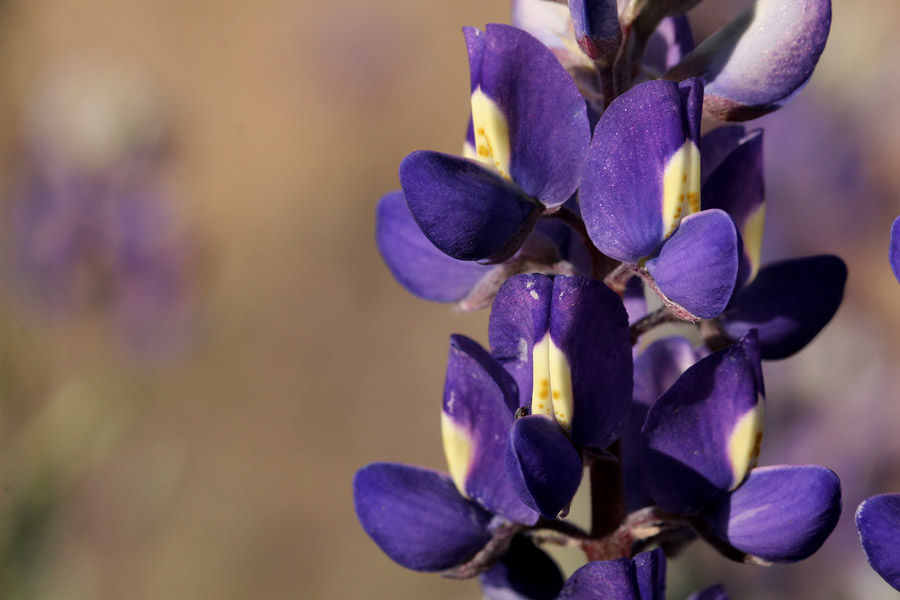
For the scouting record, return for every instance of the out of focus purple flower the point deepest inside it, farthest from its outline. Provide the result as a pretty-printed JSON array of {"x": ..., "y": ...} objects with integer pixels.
[{"x": 91, "y": 220}]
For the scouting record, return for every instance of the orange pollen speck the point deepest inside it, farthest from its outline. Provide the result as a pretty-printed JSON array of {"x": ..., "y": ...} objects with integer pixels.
[
  {"x": 483, "y": 151},
  {"x": 684, "y": 178},
  {"x": 555, "y": 395},
  {"x": 543, "y": 395}
]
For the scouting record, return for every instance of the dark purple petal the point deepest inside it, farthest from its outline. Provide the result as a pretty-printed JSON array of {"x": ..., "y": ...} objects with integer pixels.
[
  {"x": 655, "y": 370},
  {"x": 642, "y": 169},
  {"x": 716, "y": 145},
  {"x": 711, "y": 593},
  {"x": 779, "y": 514},
  {"x": 697, "y": 267},
  {"x": 414, "y": 261},
  {"x": 650, "y": 570},
  {"x": 542, "y": 112},
  {"x": 702, "y": 436},
  {"x": 476, "y": 43},
  {"x": 878, "y": 522},
  {"x": 895, "y": 248},
  {"x": 520, "y": 318},
  {"x": 467, "y": 211},
  {"x": 736, "y": 186},
  {"x": 757, "y": 62},
  {"x": 417, "y": 517},
  {"x": 788, "y": 303},
  {"x": 671, "y": 41},
  {"x": 603, "y": 580},
  {"x": 524, "y": 573},
  {"x": 596, "y": 24},
  {"x": 542, "y": 464},
  {"x": 479, "y": 399},
  {"x": 590, "y": 360}
]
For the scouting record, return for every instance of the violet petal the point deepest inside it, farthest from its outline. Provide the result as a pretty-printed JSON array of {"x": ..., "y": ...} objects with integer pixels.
[{"x": 417, "y": 517}]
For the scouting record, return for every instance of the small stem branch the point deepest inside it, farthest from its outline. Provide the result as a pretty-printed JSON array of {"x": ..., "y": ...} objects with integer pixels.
[
  {"x": 678, "y": 311},
  {"x": 647, "y": 322},
  {"x": 714, "y": 335}
]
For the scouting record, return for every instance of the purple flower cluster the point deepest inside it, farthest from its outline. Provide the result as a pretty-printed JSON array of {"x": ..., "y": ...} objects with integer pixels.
[{"x": 585, "y": 194}]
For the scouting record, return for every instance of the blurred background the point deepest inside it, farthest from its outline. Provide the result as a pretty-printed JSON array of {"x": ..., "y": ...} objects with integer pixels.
[{"x": 199, "y": 344}]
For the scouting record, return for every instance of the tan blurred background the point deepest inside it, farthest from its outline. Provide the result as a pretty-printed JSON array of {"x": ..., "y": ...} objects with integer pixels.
[{"x": 223, "y": 470}]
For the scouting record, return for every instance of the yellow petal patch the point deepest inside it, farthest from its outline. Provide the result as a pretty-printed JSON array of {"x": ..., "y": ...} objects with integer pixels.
[
  {"x": 552, "y": 389},
  {"x": 681, "y": 186},
  {"x": 491, "y": 133},
  {"x": 745, "y": 441},
  {"x": 541, "y": 399},
  {"x": 752, "y": 234},
  {"x": 561, "y": 383},
  {"x": 458, "y": 450}
]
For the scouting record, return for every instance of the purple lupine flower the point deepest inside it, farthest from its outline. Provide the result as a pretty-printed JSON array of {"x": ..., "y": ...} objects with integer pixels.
[
  {"x": 655, "y": 370},
  {"x": 878, "y": 523},
  {"x": 640, "y": 197},
  {"x": 788, "y": 302},
  {"x": 91, "y": 219},
  {"x": 759, "y": 61},
  {"x": 531, "y": 136},
  {"x": 700, "y": 444},
  {"x": 567, "y": 344},
  {"x": 428, "y": 521}
]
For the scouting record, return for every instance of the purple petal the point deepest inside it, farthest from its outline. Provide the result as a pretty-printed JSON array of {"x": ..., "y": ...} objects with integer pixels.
[
  {"x": 788, "y": 303},
  {"x": 878, "y": 522},
  {"x": 697, "y": 267},
  {"x": 417, "y": 517},
  {"x": 736, "y": 186},
  {"x": 589, "y": 326},
  {"x": 895, "y": 248},
  {"x": 479, "y": 399},
  {"x": 756, "y": 63},
  {"x": 524, "y": 573},
  {"x": 779, "y": 514},
  {"x": 716, "y": 145},
  {"x": 414, "y": 261},
  {"x": 711, "y": 593},
  {"x": 603, "y": 580},
  {"x": 542, "y": 465},
  {"x": 655, "y": 370},
  {"x": 520, "y": 318},
  {"x": 671, "y": 41},
  {"x": 650, "y": 569},
  {"x": 642, "y": 169},
  {"x": 596, "y": 24},
  {"x": 545, "y": 116},
  {"x": 703, "y": 435},
  {"x": 467, "y": 211}
]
